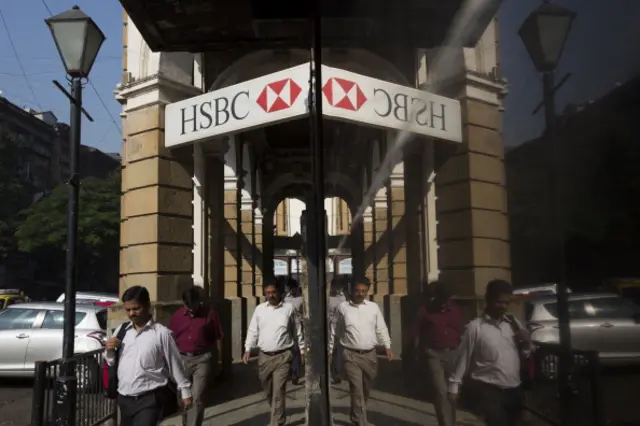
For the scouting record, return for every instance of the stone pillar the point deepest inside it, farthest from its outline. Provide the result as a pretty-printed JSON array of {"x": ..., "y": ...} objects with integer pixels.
[
  {"x": 258, "y": 252},
  {"x": 216, "y": 226},
  {"x": 232, "y": 254},
  {"x": 398, "y": 231},
  {"x": 381, "y": 243},
  {"x": 471, "y": 205},
  {"x": 267, "y": 243},
  {"x": 367, "y": 223},
  {"x": 156, "y": 233}
]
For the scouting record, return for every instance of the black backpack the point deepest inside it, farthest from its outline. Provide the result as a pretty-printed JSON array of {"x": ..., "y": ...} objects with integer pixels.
[{"x": 110, "y": 372}]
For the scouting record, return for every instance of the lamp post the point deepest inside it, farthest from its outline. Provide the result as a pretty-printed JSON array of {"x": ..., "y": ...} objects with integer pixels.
[
  {"x": 78, "y": 40},
  {"x": 544, "y": 34}
]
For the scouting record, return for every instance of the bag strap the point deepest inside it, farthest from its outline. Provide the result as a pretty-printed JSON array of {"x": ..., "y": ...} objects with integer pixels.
[
  {"x": 513, "y": 323},
  {"x": 124, "y": 327}
]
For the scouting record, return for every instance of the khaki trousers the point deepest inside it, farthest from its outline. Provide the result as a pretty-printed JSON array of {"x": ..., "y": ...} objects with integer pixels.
[
  {"x": 361, "y": 369},
  {"x": 200, "y": 370},
  {"x": 439, "y": 365},
  {"x": 273, "y": 372}
]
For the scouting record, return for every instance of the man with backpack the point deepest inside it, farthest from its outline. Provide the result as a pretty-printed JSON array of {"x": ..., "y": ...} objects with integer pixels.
[
  {"x": 143, "y": 360},
  {"x": 489, "y": 358}
]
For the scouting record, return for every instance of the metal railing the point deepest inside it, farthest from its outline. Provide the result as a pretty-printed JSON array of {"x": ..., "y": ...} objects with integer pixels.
[
  {"x": 543, "y": 396},
  {"x": 92, "y": 407}
]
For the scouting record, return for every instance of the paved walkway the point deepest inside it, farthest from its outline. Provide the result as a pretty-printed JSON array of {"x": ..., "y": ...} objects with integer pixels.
[{"x": 240, "y": 402}]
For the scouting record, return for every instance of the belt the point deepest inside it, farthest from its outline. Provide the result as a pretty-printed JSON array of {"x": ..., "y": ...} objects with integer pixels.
[
  {"x": 198, "y": 353},
  {"x": 361, "y": 351},
  {"x": 275, "y": 352},
  {"x": 142, "y": 395}
]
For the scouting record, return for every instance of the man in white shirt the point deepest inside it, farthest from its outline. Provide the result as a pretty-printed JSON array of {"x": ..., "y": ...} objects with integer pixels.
[
  {"x": 489, "y": 355},
  {"x": 272, "y": 329},
  {"x": 147, "y": 359},
  {"x": 359, "y": 327}
]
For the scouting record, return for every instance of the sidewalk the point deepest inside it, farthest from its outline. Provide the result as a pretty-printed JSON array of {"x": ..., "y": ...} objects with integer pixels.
[{"x": 240, "y": 402}]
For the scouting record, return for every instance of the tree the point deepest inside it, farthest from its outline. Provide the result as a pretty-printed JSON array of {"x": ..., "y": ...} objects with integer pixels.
[
  {"x": 13, "y": 188},
  {"x": 44, "y": 226}
]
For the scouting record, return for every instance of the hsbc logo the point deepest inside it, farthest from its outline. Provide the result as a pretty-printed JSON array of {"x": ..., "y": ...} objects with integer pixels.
[
  {"x": 279, "y": 95},
  {"x": 344, "y": 94}
]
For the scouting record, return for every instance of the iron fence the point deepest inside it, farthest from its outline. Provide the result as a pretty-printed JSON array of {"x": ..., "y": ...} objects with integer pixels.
[
  {"x": 543, "y": 397},
  {"x": 92, "y": 407}
]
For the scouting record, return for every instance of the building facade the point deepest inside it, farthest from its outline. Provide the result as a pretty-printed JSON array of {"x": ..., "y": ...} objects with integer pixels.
[
  {"x": 45, "y": 143},
  {"x": 594, "y": 165},
  {"x": 209, "y": 212}
]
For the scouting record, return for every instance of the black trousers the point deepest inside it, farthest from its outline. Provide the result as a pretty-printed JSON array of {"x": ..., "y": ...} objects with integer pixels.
[
  {"x": 148, "y": 409},
  {"x": 498, "y": 406}
]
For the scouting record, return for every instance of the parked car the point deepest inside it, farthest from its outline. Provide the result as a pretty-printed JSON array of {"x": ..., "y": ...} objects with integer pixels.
[
  {"x": 604, "y": 322},
  {"x": 31, "y": 332},
  {"x": 88, "y": 297},
  {"x": 10, "y": 297},
  {"x": 538, "y": 290}
]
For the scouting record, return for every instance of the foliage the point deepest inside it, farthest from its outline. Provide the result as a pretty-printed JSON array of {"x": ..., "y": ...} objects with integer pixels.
[
  {"x": 13, "y": 187},
  {"x": 44, "y": 225}
]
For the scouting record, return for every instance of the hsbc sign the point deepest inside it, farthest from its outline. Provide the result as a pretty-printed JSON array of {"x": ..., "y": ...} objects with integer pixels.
[
  {"x": 354, "y": 97},
  {"x": 266, "y": 100},
  {"x": 283, "y": 96}
]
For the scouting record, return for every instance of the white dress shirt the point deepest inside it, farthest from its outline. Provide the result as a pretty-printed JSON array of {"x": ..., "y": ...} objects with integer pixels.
[
  {"x": 359, "y": 326},
  {"x": 489, "y": 352},
  {"x": 147, "y": 359},
  {"x": 272, "y": 327}
]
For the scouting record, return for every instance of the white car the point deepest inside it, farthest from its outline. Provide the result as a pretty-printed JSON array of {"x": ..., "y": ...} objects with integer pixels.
[
  {"x": 91, "y": 298},
  {"x": 31, "y": 332}
]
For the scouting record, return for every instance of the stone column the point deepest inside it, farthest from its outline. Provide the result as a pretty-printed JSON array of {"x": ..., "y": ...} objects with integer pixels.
[
  {"x": 232, "y": 254},
  {"x": 367, "y": 223},
  {"x": 156, "y": 237},
  {"x": 398, "y": 231},
  {"x": 258, "y": 252},
  {"x": 381, "y": 243},
  {"x": 471, "y": 205}
]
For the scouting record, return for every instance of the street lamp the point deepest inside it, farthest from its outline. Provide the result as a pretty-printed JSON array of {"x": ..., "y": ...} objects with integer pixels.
[
  {"x": 78, "y": 40},
  {"x": 544, "y": 34}
]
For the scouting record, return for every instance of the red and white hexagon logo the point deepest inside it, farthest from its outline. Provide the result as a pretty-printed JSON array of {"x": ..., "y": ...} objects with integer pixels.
[
  {"x": 344, "y": 94},
  {"x": 278, "y": 95}
]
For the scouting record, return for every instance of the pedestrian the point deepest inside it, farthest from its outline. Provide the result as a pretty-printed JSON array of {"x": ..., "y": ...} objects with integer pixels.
[
  {"x": 198, "y": 335},
  {"x": 437, "y": 332},
  {"x": 147, "y": 359},
  {"x": 274, "y": 330},
  {"x": 489, "y": 355},
  {"x": 359, "y": 328},
  {"x": 294, "y": 297},
  {"x": 336, "y": 296}
]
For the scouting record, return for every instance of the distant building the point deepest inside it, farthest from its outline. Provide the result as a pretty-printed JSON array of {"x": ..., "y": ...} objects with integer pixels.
[
  {"x": 46, "y": 162},
  {"x": 597, "y": 152},
  {"x": 96, "y": 163}
]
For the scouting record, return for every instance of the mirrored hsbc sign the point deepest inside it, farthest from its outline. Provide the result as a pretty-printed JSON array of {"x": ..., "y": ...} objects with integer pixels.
[
  {"x": 353, "y": 97},
  {"x": 283, "y": 96}
]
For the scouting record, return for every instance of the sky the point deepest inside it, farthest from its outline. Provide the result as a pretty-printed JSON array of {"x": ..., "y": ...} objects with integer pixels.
[{"x": 601, "y": 52}]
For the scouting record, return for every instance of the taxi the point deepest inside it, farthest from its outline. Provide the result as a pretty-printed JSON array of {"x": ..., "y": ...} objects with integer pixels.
[{"x": 11, "y": 297}]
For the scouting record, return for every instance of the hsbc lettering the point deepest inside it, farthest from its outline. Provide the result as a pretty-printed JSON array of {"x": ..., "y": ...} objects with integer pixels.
[
  {"x": 216, "y": 112},
  {"x": 404, "y": 108}
]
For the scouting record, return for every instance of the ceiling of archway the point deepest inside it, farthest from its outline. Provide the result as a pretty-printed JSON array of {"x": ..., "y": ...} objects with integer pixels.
[{"x": 196, "y": 25}]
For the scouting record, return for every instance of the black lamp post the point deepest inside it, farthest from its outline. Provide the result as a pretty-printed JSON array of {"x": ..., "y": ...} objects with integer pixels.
[
  {"x": 544, "y": 34},
  {"x": 78, "y": 40}
]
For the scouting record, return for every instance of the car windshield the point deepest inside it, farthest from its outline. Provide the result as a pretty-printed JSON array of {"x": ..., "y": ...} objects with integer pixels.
[{"x": 102, "y": 319}]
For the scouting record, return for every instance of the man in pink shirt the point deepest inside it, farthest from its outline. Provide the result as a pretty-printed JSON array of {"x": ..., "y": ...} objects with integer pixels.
[
  {"x": 437, "y": 333},
  {"x": 198, "y": 334}
]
